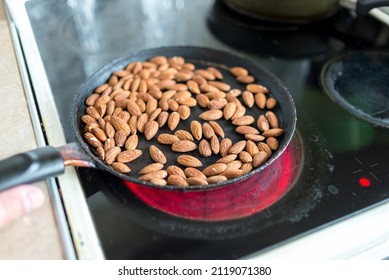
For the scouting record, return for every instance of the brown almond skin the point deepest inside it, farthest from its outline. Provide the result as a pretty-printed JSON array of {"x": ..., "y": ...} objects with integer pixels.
[
  {"x": 99, "y": 133},
  {"x": 205, "y": 148},
  {"x": 239, "y": 71},
  {"x": 196, "y": 181},
  {"x": 272, "y": 142},
  {"x": 259, "y": 159},
  {"x": 217, "y": 128},
  {"x": 119, "y": 124},
  {"x": 175, "y": 170},
  {"x": 262, "y": 123},
  {"x": 232, "y": 173},
  {"x": 151, "y": 168},
  {"x": 183, "y": 135},
  {"x": 216, "y": 179},
  {"x": 183, "y": 146},
  {"x": 211, "y": 115},
  {"x": 92, "y": 140},
  {"x": 157, "y": 155},
  {"x": 111, "y": 154},
  {"x": 272, "y": 119},
  {"x": 245, "y": 157},
  {"x": 173, "y": 120},
  {"x": 196, "y": 129},
  {"x": 245, "y": 120},
  {"x": 120, "y": 138},
  {"x": 245, "y": 129},
  {"x": 260, "y": 100},
  {"x": 129, "y": 155},
  {"x": 229, "y": 110},
  {"x": 120, "y": 167},
  {"x": 189, "y": 161},
  {"x": 193, "y": 172},
  {"x": 237, "y": 147},
  {"x": 160, "y": 174},
  {"x": 208, "y": 131},
  {"x": 227, "y": 159},
  {"x": 273, "y": 132},
  {"x": 225, "y": 146},
  {"x": 215, "y": 145},
  {"x": 167, "y": 139},
  {"x": 214, "y": 169},
  {"x": 251, "y": 148},
  {"x": 158, "y": 181},
  {"x": 132, "y": 142},
  {"x": 177, "y": 180},
  {"x": 151, "y": 129},
  {"x": 257, "y": 88}
]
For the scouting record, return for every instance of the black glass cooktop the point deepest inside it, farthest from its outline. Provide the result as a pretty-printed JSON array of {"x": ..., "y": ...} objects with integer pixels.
[{"x": 339, "y": 161}]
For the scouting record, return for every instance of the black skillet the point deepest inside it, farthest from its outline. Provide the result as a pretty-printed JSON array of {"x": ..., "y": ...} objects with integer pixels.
[{"x": 48, "y": 161}]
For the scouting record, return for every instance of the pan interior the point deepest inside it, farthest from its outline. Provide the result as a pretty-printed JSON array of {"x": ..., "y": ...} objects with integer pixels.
[{"x": 201, "y": 58}]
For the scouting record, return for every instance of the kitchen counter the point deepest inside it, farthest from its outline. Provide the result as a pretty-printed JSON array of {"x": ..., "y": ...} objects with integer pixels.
[{"x": 36, "y": 235}]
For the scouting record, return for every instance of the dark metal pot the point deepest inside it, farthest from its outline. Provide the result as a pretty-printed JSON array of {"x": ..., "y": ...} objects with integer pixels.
[{"x": 300, "y": 11}]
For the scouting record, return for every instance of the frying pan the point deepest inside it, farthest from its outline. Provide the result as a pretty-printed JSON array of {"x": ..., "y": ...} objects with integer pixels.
[{"x": 49, "y": 161}]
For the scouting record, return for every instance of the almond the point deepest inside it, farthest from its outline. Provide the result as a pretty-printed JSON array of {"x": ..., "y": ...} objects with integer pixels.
[
  {"x": 248, "y": 98},
  {"x": 257, "y": 88},
  {"x": 232, "y": 173},
  {"x": 245, "y": 129},
  {"x": 196, "y": 181},
  {"x": 272, "y": 142},
  {"x": 245, "y": 79},
  {"x": 184, "y": 112},
  {"x": 205, "y": 148},
  {"x": 109, "y": 143},
  {"x": 215, "y": 145},
  {"x": 260, "y": 100},
  {"x": 119, "y": 124},
  {"x": 202, "y": 100},
  {"x": 238, "y": 71},
  {"x": 229, "y": 110},
  {"x": 99, "y": 133},
  {"x": 109, "y": 130},
  {"x": 184, "y": 146},
  {"x": 176, "y": 180},
  {"x": 214, "y": 169},
  {"x": 271, "y": 103},
  {"x": 120, "y": 138},
  {"x": 133, "y": 108},
  {"x": 132, "y": 123},
  {"x": 151, "y": 168},
  {"x": 239, "y": 112},
  {"x": 208, "y": 130},
  {"x": 235, "y": 164},
  {"x": 160, "y": 174},
  {"x": 196, "y": 129},
  {"x": 87, "y": 119},
  {"x": 220, "y": 85},
  {"x": 272, "y": 119},
  {"x": 273, "y": 132},
  {"x": 173, "y": 120},
  {"x": 216, "y": 179},
  {"x": 217, "y": 128},
  {"x": 246, "y": 167},
  {"x": 193, "y": 87},
  {"x": 132, "y": 142},
  {"x": 151, "y": 128},
  {"x": 254, "y": 137},
  {"x": 262, "y": 123},
  {"x": 189, "y": 161},
  {"x": 245, "y": 120},
  {"x": 100, "y": 153},
  {"x": 260, "y": 158},
  {"x": 265, "y": 147},
  {"x": 158, "y": 181},
  {"x": 245, "y": 157},
  {"x": 141, "y": 122},
  {"x": 92, "y": 140},
  {"x": 129, "y": 155},
  {"x": 175, "y": 170},
  {"x": 111, "y": 154},
  {"x": 167, "y": 139},
  {"x": 183, "y": 135},
  {"x": 211, "y": 115},
  {"x": 251, "y": 148},
  {"x": 227, "y": 159},
  {"x": 120, "y": 167},
  {"x": 193, "y": 172},
  {"x": 237, "y": 147},
  {"x": 218, "y": 75},
  {"x": 162, "y": 118},
  {"x": 225, "y": 146},
  {"x": 157, "y": 155}
]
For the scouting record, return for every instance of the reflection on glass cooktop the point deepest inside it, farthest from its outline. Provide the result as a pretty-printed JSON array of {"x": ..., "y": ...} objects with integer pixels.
[{"x": 344, "y": 159}]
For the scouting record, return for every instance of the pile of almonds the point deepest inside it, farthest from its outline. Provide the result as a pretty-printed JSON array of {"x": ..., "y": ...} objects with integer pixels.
[{"x": 146, "y": 97}]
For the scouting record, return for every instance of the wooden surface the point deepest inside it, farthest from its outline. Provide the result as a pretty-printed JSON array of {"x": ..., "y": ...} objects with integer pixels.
[{"x": 34, "y": 236}]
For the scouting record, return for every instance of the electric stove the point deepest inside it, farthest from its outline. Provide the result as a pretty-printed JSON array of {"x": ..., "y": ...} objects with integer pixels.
[{"x": 334, "y": 170}]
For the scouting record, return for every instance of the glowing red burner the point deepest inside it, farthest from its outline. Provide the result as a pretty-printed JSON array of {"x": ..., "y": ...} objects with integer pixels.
[
  {"x": 364, "y": 182},
  {"x": 237, "y": 200}
]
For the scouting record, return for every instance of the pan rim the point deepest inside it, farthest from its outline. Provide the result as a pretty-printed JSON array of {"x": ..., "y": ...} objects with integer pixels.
[{"x": 115, "y": 65}]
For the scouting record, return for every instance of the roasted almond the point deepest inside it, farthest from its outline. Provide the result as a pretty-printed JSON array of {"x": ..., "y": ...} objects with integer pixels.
[
  {"x": 272, "y": 142},
  {"x": 211, "y": 115},
  {"x": 196, "y": 181},
  {"x": 99, "y": 133},
  {"x": 272, "y": 119},
  {"x": 129, "y": 155},
  {"x": 228, "y": 158},
  {"x": 131, "y": 142},
  {"x": 215, "y": 144},
  {"x": 259, "y": 159},
  {"x": 175, "y": 170},
  {"x": 176, "y": 180},
  {"x": 92, "y": 140},
  {"x": 245, "y": 157},
  {"x": 120, "y": 138},
  {"x": 245, "y": 79},
  {"x": 208, "y": 131},
  {"x": 141, "y": 122},
  {"x": 260, "y": 100},
  {"x": 167, "y": 139},
  {"x": 247, "y": 167},
  {"x": 225, "y": 146},
  {"x": 156, "y": 154},
  {"x": 119, "y": 124},
  {"x": 232, "y": 173},
  {"x": 196, "y": 129},
  {"x": 158, "y": 181},
  {"x": 111, "y": 154},
  {"x": 238, "y": 71},
  {"x": 214, "y": 169},
  {"x": 271, "y": 103},
  {"x": 216, "y": 179},
  {"x": 262, "y": 123},
  {"x": 183, "y": 146},
  {"x": 183, "y": 135},
  {"x": 160, "y": 174},
  {"x": 151, "y": 168},
  {"x": 189, "y": 161},
  {"x": 251, "y": 148},
  {"x": 229, "y": 110},
  {"x": 184, "y": 112},
  {"x": 120, "y": 167},
  {"x": 245, "y": 129},
  {"x": 265, "y": 147},
  {"x": 100, "y": 153},
  {"x": 245, "y": 120},
  {"x": 173, "y": 120},
  {"x": 205, "y": 148},
  {"x": 273, "y": 132},
  {"x": 151, "y": 129},
  {"x": 237, "y": 147},
  {"x": 193, "y": 172},
  {"x": 218, "y": 75},
  {"x": 248, "y": 98},
  {"x": 256, "y": 88}
]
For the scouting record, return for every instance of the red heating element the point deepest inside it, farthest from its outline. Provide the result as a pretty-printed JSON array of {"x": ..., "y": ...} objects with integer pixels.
[{"x": 234, "y": 201}]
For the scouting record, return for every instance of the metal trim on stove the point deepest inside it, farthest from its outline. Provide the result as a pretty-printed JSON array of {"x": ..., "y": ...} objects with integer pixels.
[{"x": 85, "y": 241}]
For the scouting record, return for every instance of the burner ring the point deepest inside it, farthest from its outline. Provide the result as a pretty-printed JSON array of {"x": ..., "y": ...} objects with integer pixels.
[{"x": 358, "y": 82}]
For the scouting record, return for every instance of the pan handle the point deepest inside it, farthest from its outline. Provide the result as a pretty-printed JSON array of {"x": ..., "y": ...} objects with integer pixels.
[{"x": 30, "y": 166}]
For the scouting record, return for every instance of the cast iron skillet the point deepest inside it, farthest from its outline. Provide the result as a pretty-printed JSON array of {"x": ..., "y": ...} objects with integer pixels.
[{"x": 48, "y": 161}]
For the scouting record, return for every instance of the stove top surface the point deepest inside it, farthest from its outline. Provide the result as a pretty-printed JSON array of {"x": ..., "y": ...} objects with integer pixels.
[{"x": 338, "y": 161}]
